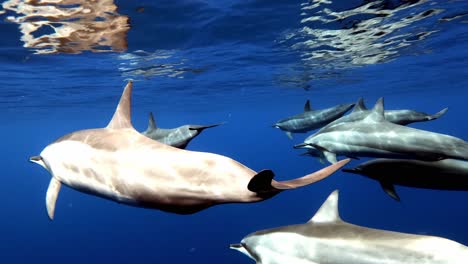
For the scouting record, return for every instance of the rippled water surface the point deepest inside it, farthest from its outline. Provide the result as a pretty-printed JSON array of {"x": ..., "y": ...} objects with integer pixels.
[{"x": 246, "y": 63}]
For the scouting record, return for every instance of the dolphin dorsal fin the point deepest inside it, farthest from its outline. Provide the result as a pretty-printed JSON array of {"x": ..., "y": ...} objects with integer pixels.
[
  {"x": 328, "y": 212},
  {"x": 359, "y": 106},
  {"x": 151, "y": 122},
  {"x": 122, "y": 114},
  {"x": 307, "y": 107},
  {"x": 377, "y": 113}
]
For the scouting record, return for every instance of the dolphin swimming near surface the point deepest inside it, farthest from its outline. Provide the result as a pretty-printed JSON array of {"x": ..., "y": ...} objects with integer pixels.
[
  {"x": 447, "y": 174},
  {"x": 177, "y": 137},
  {"x": 118, "y": 163},
  {"x": 327, "y": 239},
  {"x": 311, "y": 119},
  {"x": 374, "y": 136},
  {"x": 400, "y": 117}
]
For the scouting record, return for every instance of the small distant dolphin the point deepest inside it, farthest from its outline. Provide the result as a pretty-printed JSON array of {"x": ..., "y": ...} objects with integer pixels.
[
  {"x": 177, "y": 137},
  {"x": 327, "y": 239},
  {"x": 374, "y": 136},
  {"x": 448, "y": 174},
  {"x": 120, "y": 164},
  {"x": 311, "y": 119},
  {"x": 400, "y": 117}
]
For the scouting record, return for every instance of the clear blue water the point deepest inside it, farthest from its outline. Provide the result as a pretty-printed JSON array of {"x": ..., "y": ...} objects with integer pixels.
[{"x": 246, "y": 63}]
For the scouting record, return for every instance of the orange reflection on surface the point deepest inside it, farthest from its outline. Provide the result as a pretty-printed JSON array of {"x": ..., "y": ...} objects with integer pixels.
[{"x": 69, "y": 26}]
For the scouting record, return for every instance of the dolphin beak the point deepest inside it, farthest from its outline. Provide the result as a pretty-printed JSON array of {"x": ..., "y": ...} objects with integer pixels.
[
  {"x": 35, "y": 159},
  {"x": 275, "y": 126},
  {"x": 302, "y": 145},
  {"x": 38, "y": 160},
  {"x": 235, "y": 246},
  {"x": 354, "y": 170}
]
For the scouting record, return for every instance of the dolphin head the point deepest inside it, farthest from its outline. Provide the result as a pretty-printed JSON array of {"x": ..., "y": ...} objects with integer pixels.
[{"x": 248, "y": 246}]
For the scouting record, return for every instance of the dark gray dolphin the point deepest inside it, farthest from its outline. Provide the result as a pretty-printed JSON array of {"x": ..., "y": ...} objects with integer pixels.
[
  {"x": 178, "y": 137},
  {"x": 327, "y": 239},
  {"x": 448, "y": 174},
  {"x": 116, "y": 162},
  {"x": 400, "y": 117},
  {"x": 373, "y": 136},
  {"x": 311, "y": 119}
]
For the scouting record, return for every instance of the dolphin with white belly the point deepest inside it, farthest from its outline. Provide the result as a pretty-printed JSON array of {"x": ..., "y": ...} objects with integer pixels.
[
  {"x": 373, "y": 136},
  {"x": 311, "y": 119},
  {"x": 178, "y": 137},
  {"x": 447, "y": 174},
  {"x": 120, "y": 164},
  {"x": 327, "y": 239}
]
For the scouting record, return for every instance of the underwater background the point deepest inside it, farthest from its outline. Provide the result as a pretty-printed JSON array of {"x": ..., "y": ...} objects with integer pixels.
[{"x": 246, "y": 63}]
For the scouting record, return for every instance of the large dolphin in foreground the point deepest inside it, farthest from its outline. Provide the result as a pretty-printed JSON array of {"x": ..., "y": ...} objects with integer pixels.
[
  {"x": 374, "y": 136},
  {"x": 311, "y": 119},
  {"x": 178, "y": 137},
  {"x": 448, "y": 174},
  {"x": 120, "y": 164},
  {"x": 327, "y": 239}
]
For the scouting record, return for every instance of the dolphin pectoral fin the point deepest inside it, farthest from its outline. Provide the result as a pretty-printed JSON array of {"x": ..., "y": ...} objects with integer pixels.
[
  {"x": 389, "y": 189},
  {"x": 321, "y": 160},
  {"x": 51, "y": 196},
  {"x": 289, "y": 134},
  {"x": 330, "y": 156},
  {"x": 438, "y": 114},
  {"x": 310, "y": 178}
]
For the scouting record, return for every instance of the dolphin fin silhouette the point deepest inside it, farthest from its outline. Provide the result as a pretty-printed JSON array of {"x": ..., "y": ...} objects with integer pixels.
[{"x": 263, "y": 182}]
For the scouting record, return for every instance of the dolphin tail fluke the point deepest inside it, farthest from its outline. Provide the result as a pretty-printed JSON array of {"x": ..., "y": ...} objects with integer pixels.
[
  {"x": 263, "y": 182},
  {"x": 438, "y": 114},
  {"x": 389, "y": 189},
  {"x": 201, "y": 128}
]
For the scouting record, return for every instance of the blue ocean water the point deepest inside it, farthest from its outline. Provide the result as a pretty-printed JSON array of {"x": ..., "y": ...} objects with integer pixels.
[{"x": 246, "y": 63}]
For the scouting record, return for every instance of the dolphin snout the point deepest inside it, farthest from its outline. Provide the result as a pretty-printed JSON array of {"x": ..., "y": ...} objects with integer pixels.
[
  {"x": 235, "y": 246},
  {"x": 353, "y": 170},
  {"x": 35, "y": 159},
  {"x": 302, "y": 145}
]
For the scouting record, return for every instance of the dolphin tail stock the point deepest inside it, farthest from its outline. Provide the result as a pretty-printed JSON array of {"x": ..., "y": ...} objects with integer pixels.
[
  {"x": 263, "y": 182},
  {"x": 438, "y": 114}
]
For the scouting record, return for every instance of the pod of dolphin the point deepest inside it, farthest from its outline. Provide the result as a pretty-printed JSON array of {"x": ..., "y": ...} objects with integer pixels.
[{"x": 153, "y": 170}]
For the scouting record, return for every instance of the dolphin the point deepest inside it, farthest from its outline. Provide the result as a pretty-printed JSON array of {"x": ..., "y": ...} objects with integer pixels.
[
  {"x": 178, "y": 137},
  {"x": 311, "y": 119},
  {"x": 327, "y": 239},
  {"x": 118, "y": 163},
  {"x": 400, "y": 117},
  {"x": 374, "y": 136},
  {"x": 447, "y": 174}
]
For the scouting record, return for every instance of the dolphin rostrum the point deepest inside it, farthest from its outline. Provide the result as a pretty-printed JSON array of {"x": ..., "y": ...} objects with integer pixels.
[
  {"x": 374, "y": 136},
  {"x": 178, "y": 137},
  {"x": 120, "y": 164},
  {"x": 447, "y": 174},
  {"x": 327, "y": 239},
  {"x": 311, "y": 119}
]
